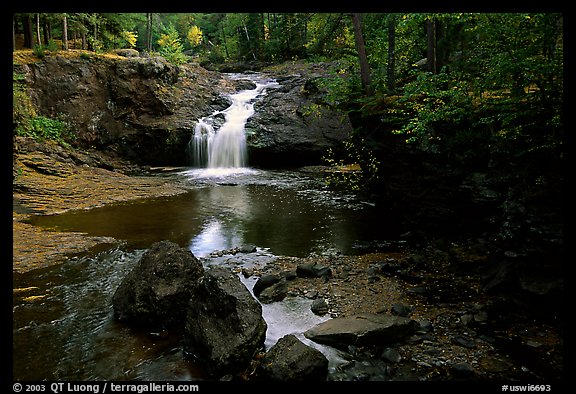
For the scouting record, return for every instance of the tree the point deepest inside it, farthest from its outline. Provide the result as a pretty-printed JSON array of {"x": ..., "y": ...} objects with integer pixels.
[
  {"x": 391, "y": 52},
  {"x": 65, "y": 32},
  {"x": 171, "y": 47},
  {"x": 149, "y": 31},
  {"x": 194, "y": 36},
  {"x": 360, "y": 47},
  {"x": 431, "y": 60}
]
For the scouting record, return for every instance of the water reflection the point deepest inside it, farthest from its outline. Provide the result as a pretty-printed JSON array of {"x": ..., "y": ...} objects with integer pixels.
[{"x": 293, "y": 216}]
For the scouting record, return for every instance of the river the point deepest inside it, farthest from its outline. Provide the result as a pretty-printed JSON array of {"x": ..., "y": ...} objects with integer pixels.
[
  {"x": 63, "y": 325},
  {"x": 63, "y": 320}
]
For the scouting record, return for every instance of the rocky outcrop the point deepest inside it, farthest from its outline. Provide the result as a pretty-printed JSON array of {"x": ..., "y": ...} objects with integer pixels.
[
  {"x": 224, "y": 324},
  {"x": 145, "y": 109},
  {"x": 158, "y": 289},
  {"x": 293, "y": 125}
]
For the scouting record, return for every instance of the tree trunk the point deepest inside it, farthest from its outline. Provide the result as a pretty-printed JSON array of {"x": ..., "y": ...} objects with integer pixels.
[
  {"x": 38, "y": 37},
  {"x": 360, "y": 47},
  {"x": 149, "y": 32},
  {"x": 431, "y": 60},
  {"x": 28, "y": 35},
  {"x": 47, "y": 31},
  {"x": 65, "y": 32},
  {"x": 248, "y": 39},
  {"x": 391, "y": 52},
  {"x": 13, "y": 33},
  {"x": 224, "y": 41}
]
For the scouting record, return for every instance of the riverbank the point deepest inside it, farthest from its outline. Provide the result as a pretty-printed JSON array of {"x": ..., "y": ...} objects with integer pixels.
[
  {"x": 473, "y": 327},
  {"x": 48, "y": 180}
]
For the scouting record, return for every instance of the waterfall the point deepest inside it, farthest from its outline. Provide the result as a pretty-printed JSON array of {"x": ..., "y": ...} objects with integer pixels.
[{"x": 226, "y": 147}]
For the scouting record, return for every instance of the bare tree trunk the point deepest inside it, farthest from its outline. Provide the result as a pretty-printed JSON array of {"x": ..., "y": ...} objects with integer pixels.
[
  {"x": 47, "y": 29},
  {"x": 431, "y": 60},
  {"x": 28, "y": 34},
  {"x": 65, "y": 32},
  {"x": 149, "y": 32},
  {"x": 13, "y": 33},
  {"x": 248, "y": 38},
  {"x": 360, "y": 47},
  {"x": 38, "y": 38},
  {"x": 391, "y": 52}
]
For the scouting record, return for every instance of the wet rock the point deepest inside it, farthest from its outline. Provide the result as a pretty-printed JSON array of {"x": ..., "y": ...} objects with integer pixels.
[
  {"x": 264, "y": 282},
  {"x": 158, "y": 289},
  {"x": 462, "y": 370},
  {"x": 224, "y": 324},
  {"x": 362, "y": 329},
  {"x": 291, "y": 360},
  {"x": 277, "y": 292},
  {"x": 319, "y": 307},
  {"x": 290, "y": 127},
  {"x": 313, "y": 270},
  {"x": 247, "y": 248},
  {"x": 462, "y": 341},
  {"x": 391, "y": 355},
  {"x": 401, "y": 310},
  {"x": 362, "y": 371}
]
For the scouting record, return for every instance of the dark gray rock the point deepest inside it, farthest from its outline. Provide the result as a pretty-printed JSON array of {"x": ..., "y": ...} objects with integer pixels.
[
  {"x": 291, "y": 360},
  {"x": 276, "y": 292},
  {"x": 292, "y": 124},
  {"x": 263, "y": 282},
  {"x": 313, "y": 270},
  {"x": 158, "y": 289},
  {"x": 144, "y": 109},
  {"x": 362, "y": 330},
  {"x": 319, "y": 307},
  {"x": 224, "y": 324},
  {"x": 401, "y": 310},
  {"x": 391, "y": 355}
]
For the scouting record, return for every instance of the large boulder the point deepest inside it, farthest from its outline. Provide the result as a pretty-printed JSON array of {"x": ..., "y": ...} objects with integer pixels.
[
  {"x": 293, "y": 124},
  {"x": 224, "y": 324},
  {"x": 291, "y": 360},
  {"x": 362, "y": 330},
  {"x": 157, "y": 291}
]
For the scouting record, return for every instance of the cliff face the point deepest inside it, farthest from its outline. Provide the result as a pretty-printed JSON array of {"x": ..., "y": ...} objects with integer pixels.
[{"x": 145, "y": 109}]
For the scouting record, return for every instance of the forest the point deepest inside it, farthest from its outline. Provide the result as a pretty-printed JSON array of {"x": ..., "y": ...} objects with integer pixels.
[{"x": 438, "y": 80}]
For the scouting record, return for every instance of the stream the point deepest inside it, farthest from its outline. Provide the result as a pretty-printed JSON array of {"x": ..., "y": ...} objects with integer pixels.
[{"x": 63, "y": 325}]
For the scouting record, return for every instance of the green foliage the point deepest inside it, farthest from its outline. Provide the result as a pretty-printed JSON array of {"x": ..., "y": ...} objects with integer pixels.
[
  {"x": 43, "y": 128},
  {"x": 430, "y": 102},
  {"x": 171, "y": 47},
  {"x": 39, "y": 51},
  {"x": 52, "y": 46},
  {"x": 354, "y": 168},
  {"x": 28, "y": 123}
]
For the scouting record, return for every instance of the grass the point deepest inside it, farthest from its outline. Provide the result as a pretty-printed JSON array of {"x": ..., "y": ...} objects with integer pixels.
[{"x": 27, "y": 56}]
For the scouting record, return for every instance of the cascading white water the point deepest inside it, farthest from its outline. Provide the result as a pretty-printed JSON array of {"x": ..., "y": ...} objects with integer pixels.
[
  {"x": 198, "y": 145},
  {"x": 226, "y": 147}
]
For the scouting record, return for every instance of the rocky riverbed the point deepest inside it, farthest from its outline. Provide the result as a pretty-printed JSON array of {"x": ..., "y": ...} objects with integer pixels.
[{"x": 481, "y": 317}]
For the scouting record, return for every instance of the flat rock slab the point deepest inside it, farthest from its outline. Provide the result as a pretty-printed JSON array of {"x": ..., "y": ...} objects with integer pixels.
[{"x": 362, "y": 330}]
